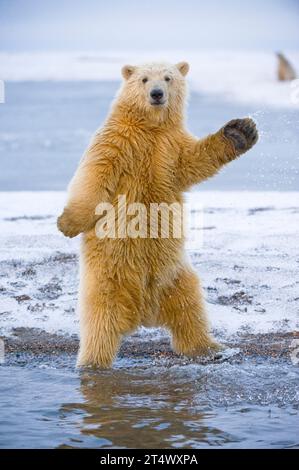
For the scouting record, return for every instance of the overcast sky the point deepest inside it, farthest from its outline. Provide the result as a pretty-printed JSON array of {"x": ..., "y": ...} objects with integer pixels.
[{"x": 148, "y": 24}]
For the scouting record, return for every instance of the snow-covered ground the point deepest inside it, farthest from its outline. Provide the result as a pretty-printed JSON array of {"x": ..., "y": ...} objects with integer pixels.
[
  {"x": 246, "y": 77},
  {"x": 248, "y": 263}
]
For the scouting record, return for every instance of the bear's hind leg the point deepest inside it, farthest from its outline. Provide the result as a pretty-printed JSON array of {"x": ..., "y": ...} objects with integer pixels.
[
  {"x": 182, "y": 311},
  {"x": 107, "y": 312},
  {"x": 100, "y": 339}
]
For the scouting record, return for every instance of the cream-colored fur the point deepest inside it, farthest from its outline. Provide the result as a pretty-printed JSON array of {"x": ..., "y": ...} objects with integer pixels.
[{"x": 144, "y": 152}]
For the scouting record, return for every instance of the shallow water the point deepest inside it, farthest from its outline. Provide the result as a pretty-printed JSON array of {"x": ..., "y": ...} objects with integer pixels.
[
  {"x": 45, "y": 127},
  {"x": 141, "y": 404}
]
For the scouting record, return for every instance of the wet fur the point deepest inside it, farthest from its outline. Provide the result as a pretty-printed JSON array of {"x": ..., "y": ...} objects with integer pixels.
[{"x": 148, "y": 155}]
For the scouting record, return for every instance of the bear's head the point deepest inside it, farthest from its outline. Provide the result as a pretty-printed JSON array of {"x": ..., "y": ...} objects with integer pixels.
[{"x": 156, "y": 90}]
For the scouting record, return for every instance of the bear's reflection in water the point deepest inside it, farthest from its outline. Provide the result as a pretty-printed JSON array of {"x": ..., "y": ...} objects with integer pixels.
[{"x": 140, "y": 409}]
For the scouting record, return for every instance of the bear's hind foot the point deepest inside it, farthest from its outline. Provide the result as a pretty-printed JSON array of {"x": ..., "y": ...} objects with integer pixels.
[
  {"x": 94, "y": 362},
  {"x": 209, "y": 349}
]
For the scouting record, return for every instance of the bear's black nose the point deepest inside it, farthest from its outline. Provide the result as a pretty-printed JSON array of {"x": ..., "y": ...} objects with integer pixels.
[{"x": 157, "y": 94}]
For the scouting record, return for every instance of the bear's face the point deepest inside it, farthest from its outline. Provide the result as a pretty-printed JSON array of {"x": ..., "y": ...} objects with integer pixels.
[{"x": 155, "y": 87}]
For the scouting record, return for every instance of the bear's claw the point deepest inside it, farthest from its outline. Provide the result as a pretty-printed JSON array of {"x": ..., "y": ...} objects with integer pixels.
[{"x": 242, "y": 133}]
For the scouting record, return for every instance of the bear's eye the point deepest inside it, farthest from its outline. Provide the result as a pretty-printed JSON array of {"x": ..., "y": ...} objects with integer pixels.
[
  {"x": 167, "y": 79},
  {"x": 144, "y": 80}
]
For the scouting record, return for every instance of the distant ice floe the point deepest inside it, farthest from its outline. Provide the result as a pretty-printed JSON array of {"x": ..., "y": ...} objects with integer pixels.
[
  {"x": 247, "y": 260},
  {"x": 237, "y": 76}
]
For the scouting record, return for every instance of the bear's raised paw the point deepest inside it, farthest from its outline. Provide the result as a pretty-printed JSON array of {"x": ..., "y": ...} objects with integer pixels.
[{"x": 242, "y": 133}]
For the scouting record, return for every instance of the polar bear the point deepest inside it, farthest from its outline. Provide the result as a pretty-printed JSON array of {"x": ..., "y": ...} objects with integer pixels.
[{"x": 143, "y": 152}]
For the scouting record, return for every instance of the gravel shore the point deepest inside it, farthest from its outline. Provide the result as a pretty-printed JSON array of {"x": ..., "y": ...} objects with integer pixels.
[{"x": 33, "y": 343}]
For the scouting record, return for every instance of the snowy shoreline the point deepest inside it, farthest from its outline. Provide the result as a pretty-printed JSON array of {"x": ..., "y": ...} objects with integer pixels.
[
  {"x": 248, "y": 263},
  {"x": 243, "y": 77}
]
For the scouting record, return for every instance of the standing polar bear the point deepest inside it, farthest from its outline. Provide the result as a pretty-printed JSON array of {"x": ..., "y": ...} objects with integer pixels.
[{"x": 143, "y": 152}]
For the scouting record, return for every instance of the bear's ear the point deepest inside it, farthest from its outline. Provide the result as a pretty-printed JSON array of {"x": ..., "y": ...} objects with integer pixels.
[
  {"x": 183, "y": 67},
  {"x": 127, "y": 71}
]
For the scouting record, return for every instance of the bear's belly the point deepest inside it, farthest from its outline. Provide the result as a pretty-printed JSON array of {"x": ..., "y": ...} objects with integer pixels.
[{"x": 156, "y": 257}]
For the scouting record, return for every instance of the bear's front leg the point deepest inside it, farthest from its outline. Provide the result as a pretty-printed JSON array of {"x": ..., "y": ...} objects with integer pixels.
[
  {"x": 74, "y": 221},
  {"x": 202, "y": 159},
  {"x": 242, "y": 133}
]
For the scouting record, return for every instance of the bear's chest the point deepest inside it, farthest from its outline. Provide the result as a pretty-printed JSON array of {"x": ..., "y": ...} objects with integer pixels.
[{"x": 151, "y": 175}]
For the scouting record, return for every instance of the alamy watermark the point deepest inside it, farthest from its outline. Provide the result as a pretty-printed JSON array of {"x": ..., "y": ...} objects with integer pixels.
[
  {"x": 2, "y": 351},
  {"x": 156, "y": 220},
  {"x": 2, "y": 91}
]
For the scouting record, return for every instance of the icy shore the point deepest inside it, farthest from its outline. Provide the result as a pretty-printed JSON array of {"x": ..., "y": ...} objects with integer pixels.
[
  {"x": 248, "y": 263},
  {"x": 244, "y": 77}
]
